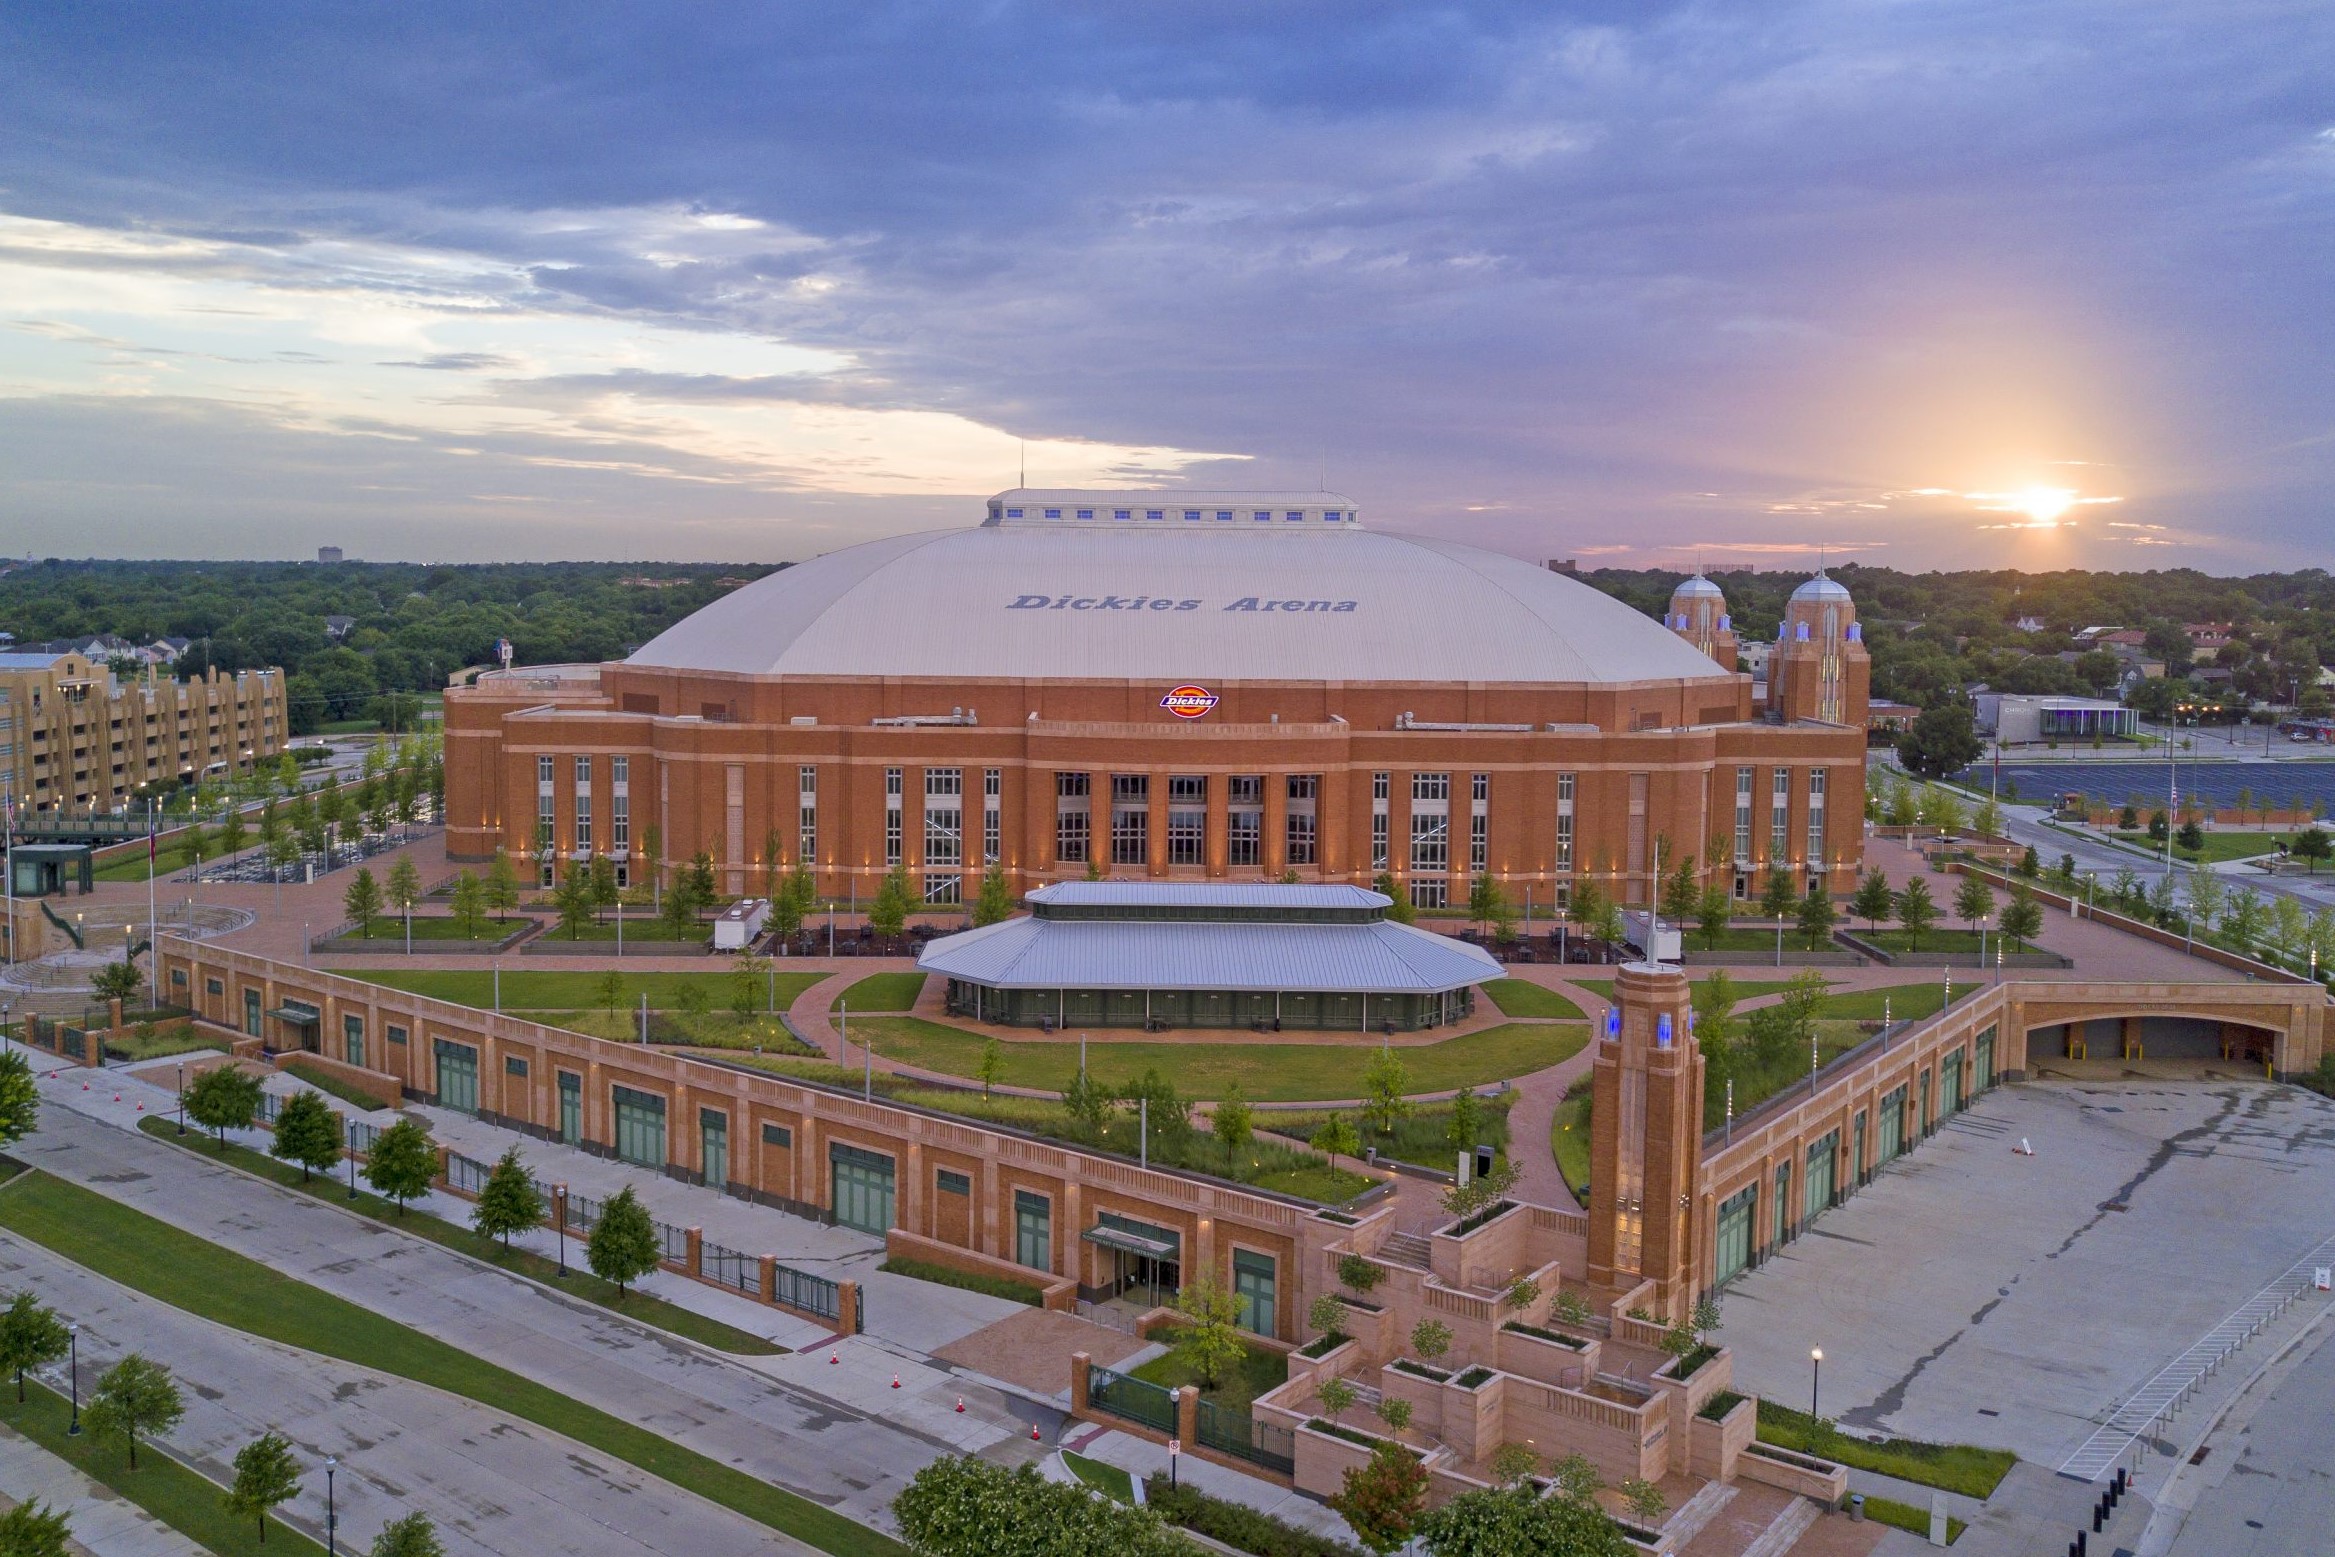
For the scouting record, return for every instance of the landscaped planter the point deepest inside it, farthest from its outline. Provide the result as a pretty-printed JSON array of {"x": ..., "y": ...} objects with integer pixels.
[
  {"x": 389, "y": 939},
  {"x": 553, "y": 944},
  {"x": 2032, "y": 957}
]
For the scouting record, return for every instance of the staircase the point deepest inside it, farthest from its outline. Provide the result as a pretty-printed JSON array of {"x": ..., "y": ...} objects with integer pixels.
[
  {"x": 1698, "y": 1511},
  {"x": 1784, "y": 1531},
  {"x": 1408, "y": 1250}
]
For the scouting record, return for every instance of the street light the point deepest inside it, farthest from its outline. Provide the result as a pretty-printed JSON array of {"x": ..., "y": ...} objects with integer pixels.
[
  {"x": 561, "y": 1191},
  {"x": 182, "y": 1097},
  {"x": 1815, "y": 1377},
  {"x": 332, "y": 1521},
  {"x": 73, "y": 1339}
]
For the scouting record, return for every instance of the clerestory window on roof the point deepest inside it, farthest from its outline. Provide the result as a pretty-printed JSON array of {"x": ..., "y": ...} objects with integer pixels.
[
  {"x": 1191, "y": 514},
  {"x": 1262, "y": 515},
  {"x": 1154, "y": 513},
  {"x": 1013, "y": 513},
  {"x": 1223, "y": 515},
  {"x": 1294, "y": 515},
  {"x": 1122, "y": 513},
  {"x": 1332, "y": 515},
  {"x": 1086, "y": 513},
  {"x": 1053, "y": 513}
]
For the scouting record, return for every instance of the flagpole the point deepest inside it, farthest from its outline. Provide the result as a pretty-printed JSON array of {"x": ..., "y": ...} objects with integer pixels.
[
  {"x": 152, "y": 862},
  {"x": 10, "y": 871}
]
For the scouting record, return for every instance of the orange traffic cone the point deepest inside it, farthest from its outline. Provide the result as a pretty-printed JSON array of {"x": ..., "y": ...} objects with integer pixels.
[
  {"x": 960, "y": 1405},
  {"x": 1034, "y": 1438},
  {"x": 895, "y": 1381},
  {"x": 141, "y": 1108},
  {"x": 833, "y": 1358},
  {"x": 117, "y": 1097}
]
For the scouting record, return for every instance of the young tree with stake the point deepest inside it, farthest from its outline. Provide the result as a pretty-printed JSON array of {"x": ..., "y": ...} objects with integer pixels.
[
  {"x": 308, "y": 1132},
  {"x": 31, "y": 1336},
  {"x": 136, "y": 1395},
  {"x": 508, "y": 1202},
  {"x": 623, "y": 1244},
  {"x": 404, "y": 1163},
  {"x": 223, "y": 1098},
  {"x": 266, "y": 1478}
]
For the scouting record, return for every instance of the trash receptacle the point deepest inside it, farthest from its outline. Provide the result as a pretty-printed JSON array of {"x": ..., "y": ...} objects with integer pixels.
[{"x": 1857, "y": 1507}]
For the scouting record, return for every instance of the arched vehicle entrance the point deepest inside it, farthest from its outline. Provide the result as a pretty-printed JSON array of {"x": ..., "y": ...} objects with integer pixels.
[{"x": 2140, "y": 1036}]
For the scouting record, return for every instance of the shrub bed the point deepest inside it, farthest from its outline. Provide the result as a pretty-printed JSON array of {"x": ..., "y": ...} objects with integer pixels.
[
  {"x": 1539, "y": 1334},
  {"x": 1717, "y": 1407},
  {"x": 1964, "y": 1468},
  {"x": 970, "y": 1281},
  {"x": 1236, "y": 1524}
]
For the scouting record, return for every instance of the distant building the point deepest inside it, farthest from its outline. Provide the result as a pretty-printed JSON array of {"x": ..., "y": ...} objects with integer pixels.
[
  {"x": 338, "y": 628},
  {"x": 329, "y": 554},
  {"x": 77, "y": 739},
  {"x": 2019, "y": 719},
  {"x": 2031, "y": 624},
  {"x": 2206, "y": 637}
]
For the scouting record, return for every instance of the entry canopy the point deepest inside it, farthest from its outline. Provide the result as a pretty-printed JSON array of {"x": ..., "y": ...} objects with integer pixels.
[
  {"x": 297, "y": 1015},
  {"x": 1130, "y": 1243}
]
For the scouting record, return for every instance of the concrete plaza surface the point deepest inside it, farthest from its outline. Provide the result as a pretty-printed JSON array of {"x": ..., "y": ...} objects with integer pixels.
[
  {"x": 103, "y": 1522},
  {"x": 490, "y": 1482},
  {"x": 794, "y": 1420},
  {"x": 1974, "y": 1295}
]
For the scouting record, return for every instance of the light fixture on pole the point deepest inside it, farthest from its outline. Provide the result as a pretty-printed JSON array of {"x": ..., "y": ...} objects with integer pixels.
[
  {"x": 332, "y": 1520},
  {"x": 1815, "y": 1378},
  {"x": 73, "y": 1340},
  {"x": 1175, "y": 1452}
]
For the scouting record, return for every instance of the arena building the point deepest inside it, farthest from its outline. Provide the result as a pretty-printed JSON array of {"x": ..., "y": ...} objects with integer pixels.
[{"x": 1169, "y": 686}]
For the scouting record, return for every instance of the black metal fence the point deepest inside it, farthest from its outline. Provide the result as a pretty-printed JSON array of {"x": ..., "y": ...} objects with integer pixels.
[
  {"x": 1138, "y": 1400},
  {"x": 1237, "y": 1433}
]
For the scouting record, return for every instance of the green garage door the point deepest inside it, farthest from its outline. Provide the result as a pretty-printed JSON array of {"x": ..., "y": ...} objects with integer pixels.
[
  {"x": 457, "y": 1077},
  {"x": 640, "y": 1127},
  {"x": 863, "y": 1188},
  {"x": 1734, "y": 1246},
  {"x": 1892, "y": 1127},
  {"x": 1950, "y": 1085},
  {"x": 1253, "y": 1291},
  {"x": 1823, "y": 1158},
  {"x": 571, "y": 1108},
  {"x": 1985, "y": 1063},
  {"x": 713, "y": 1145}
]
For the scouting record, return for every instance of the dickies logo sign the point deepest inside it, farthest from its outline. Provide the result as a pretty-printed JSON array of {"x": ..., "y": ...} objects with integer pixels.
[{"x": 1188, "y": 702}]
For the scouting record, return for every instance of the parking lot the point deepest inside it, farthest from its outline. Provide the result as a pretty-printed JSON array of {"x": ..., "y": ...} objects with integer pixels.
[{"x": 1976, "y": 1295}]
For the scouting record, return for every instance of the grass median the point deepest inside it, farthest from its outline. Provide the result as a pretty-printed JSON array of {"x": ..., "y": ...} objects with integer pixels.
[
  {"x": 532, "y": 989},
  {"x": 1267, "y": 1072},
  {"x": 1522, "y": 997},
  {"x": 1950, "y": 1467},
  {"x": 178, "y": 1495},
  {"x": 579, "y": 1282},
  {"x": 203, "y": 1278},
  {"x": 882, "y": 992}
]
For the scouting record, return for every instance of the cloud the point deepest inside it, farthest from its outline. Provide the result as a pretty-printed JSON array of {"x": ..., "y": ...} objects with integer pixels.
[{"x": 1523, "y": 274}]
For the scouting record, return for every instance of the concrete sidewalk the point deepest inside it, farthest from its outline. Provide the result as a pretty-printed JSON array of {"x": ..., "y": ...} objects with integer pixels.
[
  {"x": 103, "y": 1524},
  {"x": 490, "y": 1482},
  {"x": 837, "y": 1432}
]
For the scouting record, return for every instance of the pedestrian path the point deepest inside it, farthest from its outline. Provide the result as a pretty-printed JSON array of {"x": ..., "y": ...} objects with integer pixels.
[
  {"x": 1139, "y": 1458},
  {"x": 103, "y": 1523}
]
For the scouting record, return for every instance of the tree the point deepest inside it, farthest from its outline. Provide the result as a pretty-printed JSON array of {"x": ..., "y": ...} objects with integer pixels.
[
  {"x": 362, "y": 901},
  {"x": 1987, "y": 820},
  {"x": 1336, "y": 1395},
  {"x": 1778, "y": 896},
  {"x": 888, "y": 914},
  {"x": 2030, "y": 863},
  {"x": 1327, "y": 1315},
  {"x": 2243, "y": 922},
  {"x": 508, "y": 1202},
  {"x": 502, "y": 884},
  {"x": 1395, "y": 1412},
  {"x": 802, "y": 892},
  {"x": 2202, "y": 890},
  {"x": 749, "y": 985},
  {"x": 1576, "y": 1478},
  {"x": 119, "y": 981},
  {"x": 608, "y": 993},
  {"x": 404, "y": 1162},
  {"x": 1942, "y": 740},
  {"x": 1917, "y": 911},
  {"x": 1208, "y": 1340},
  {"x": 1231, "y": 1122},
  {"x": 468, "y": 904},
  {"x": 2022, "y": 917},
  {"x": 1466, "y": 1121},
  {"x": 1485, "y": 901},
  {"x": 2312, "y": 845},
  {"x": 1679, "y": 893},
  {"x": 971, "y": 1507},
  {"x": 681, "y": 908},
  {"x": 1398, "y": 906},
  {"x": 2190, "y": 838},
  {"x": 308, "y": 1132},
  {"x": 1465, "y": 1200},
  {"x": 20, "y": 1099},
  {"x": 995, "y": 904},
  {"x": 1385, "y": 1081},
  {"x": 1509, "y": 1520},
  {"x": 412, "y": 1536},
  {"x": 573, "y": 898},
  {"x": 30, "y": 1336},
  {"x": 1383, "y": 1498},
  {"x": 1874, "y": 901},
  {"x": 1358, "y": 1272},
  {"x": 990, "y": 1066},
  {"x": 34, "y": 1530},
  {"x": 265, "y": 1478},
  {"x": 1714, "y": 1010},
  {"x": 1088, "y": 1104},
  {"x": 1430, "y": 1339},
  {"x": 1816, "y": 916},
  {"x": 1645, "y": 1499},
  {"x": 1168, "y": 1115},
  {"x": 1511, "y": 1463},
  {"x": 623, "y": 1246},
  {"x": 2128, "y": 818},
  {"x": 405, "y": 884},
  {"x": 233, "y": 835},
  {"x": 136, "y": 1395},
  {"x": 701, "y": 883},
  {"x": 223, "y": 1098},
  {"x": 1713, "y": 910},
  {"x": 602, "y": 884},
  {"x": 1973, "y": 901},
  {"x": 1337, "y": 1138},
  {"x": 2289, "y": 930}
]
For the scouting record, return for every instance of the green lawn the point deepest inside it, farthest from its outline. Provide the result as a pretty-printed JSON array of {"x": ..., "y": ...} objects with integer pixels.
[
  {"x": 1964, "y": 1468},
  {"x": 528, "y": 989},
  {"x": 642, "y": 928},
  {"x": 436, "y": 927},
  {"x": 1260, "y": 1370},
  {"x": 1569, "y": 1139},
  {"x": 203, "y": 1278},
  {"x": 1744, "y": 988},
  {"x": 176, "y": 1494},
  {"x": 1755, "y": 1083},
  {"x": 579, "y": 1282},
  {"x": 1267, "y": 1162},
  {"x": 1106, "y": 1479},
  {"x": 168, "y": 857},
  {"x": 1522, "y": 997},
  {"x": 714, "y": 1030},
  {"x": 1745, "y": 938},
  {"x": 1905, "y": 1002},
  {"x": 1961, "y": 943},
  {"x": 177, "y": 1040},
  {"x": 882, "y": 992},
  {"x": 1905, "y": 1516},
  {"x": 1267, "y": 1072},
  {"x": 2219, "y": 846},
  {"x": 1422, "y": 1138}
]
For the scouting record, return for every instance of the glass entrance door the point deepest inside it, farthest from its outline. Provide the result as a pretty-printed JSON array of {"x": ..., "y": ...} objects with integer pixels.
[
  {"x": 1950, "y": 1086},
  {"x": 713, "y": 1143},
  {"x": 1733, "y": 1252},
  {"x": 571, "y": 1109},
  {"x": 1823, "y": 1160},
  {"x": 863, "y": 1188},
  {"x": 1892, "y": 1127}
]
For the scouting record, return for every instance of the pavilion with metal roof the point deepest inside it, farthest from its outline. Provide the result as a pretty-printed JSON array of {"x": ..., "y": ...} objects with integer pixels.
[{"x": 1213, "y": 954}]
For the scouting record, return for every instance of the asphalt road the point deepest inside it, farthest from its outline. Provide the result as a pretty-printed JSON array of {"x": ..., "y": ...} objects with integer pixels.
[
  {"x": 490, "y": 1483},
  {"x": 790, "y": 1420},
  {"x": 2266, "y": 1486}
]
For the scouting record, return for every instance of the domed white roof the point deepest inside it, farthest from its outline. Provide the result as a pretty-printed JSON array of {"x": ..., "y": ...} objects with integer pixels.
[
  {"x": 1821, "y": 588},
  {"x": 1697, "y": 588},
  {"x": 1175, "y": 602}
]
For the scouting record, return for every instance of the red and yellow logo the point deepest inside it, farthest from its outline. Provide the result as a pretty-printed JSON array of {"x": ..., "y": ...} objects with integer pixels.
[{"x": 1188, "y": 702}]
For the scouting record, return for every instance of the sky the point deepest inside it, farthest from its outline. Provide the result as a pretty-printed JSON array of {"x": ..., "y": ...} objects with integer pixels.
[{"x": 1925, "y": 283}]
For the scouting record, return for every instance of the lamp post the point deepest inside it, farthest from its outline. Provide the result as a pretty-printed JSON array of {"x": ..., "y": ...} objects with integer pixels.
[
  {"x": 1815, "y": 1378},
  {"x": 351, "y": 1150},
  {"x": 182, "y": 1097},
  {"x": 332, "y": 1520},
  {"x": 1175, "y": 1452},
  {"x": 73, "y": 1340},
  {"x": 561, "y": 1192}
]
